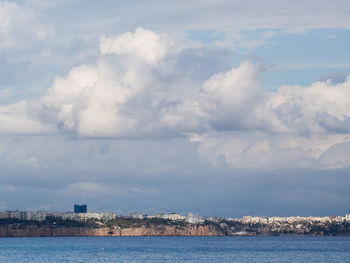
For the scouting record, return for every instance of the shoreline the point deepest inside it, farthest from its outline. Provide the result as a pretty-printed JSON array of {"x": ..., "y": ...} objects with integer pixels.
[{"x": 153, "y": 231}]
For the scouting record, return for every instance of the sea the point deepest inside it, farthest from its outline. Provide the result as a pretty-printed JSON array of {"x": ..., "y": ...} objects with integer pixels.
[{"x": 175, "y": 249}]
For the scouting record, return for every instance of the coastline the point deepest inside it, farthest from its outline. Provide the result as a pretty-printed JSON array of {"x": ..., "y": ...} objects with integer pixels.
[
  {"x": 48, "y": 231},
  {"x": 160, "y": 230}
]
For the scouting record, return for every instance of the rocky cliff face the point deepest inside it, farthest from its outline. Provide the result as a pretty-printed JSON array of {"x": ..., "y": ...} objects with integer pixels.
[{"x": 161, "y": 230}]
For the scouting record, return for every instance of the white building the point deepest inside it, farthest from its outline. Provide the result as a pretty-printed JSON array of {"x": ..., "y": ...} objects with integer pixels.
[
  {"x": 170, "y": 216},
  {"x": 135, "y": 215},
  {"x": 84, "y": 216},
  {"x": 39, "y": 216},
  {"x": 24, "y": 215},
  {"x": 193, "y": 219}
]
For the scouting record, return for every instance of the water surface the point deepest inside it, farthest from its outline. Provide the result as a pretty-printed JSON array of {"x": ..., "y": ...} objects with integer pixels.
[{"x": 175, "y": 249}]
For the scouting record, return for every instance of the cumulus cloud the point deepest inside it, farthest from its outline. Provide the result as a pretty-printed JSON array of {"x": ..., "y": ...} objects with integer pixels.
[
  {"x": 88, "y": 102},
  {"x": 145, "y": 44},
  {"x": 91, "y": 99},
  {"x": 321, "y": 107},
  {"x": 235, "y": 100},
  {"x": 229, "y": 115},
  {"x": 117, "y": 98},
  {"x": 137, "y": 116},
  {"x": 315, "y": 131}
]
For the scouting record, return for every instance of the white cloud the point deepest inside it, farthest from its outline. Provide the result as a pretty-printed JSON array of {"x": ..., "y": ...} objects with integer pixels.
[
  {"x": 145, "y": 44},
  {"x": 316, "y": 131},
  {"x": 146, "y": 94},
  {"x": 235, "y": 100},
  {"x": 254, "y": 150},
  {"x": 88, "y": 100},
  {"x": 91, "y": 99},
  {"x": 229, "y": 115},
  {"x": 110, "y": 98},
  {"x": 321, "y": 107},
  {"x": 19, "y": 27},
  {"x": 21, "y": 118}
]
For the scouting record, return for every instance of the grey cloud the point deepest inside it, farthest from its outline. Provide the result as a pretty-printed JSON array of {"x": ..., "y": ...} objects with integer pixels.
[
  {"x": 160, "y": 176},
  {"x": 184, "y": 134},
  {"x": 137, "y": 97},
  {"x": 335, "y": 77},
  {"x": 337, "y": 156},
  {"x": 201, "y": 63},
  {"x": 96, "y": 19},
  {"x": 333, "y": 124}
]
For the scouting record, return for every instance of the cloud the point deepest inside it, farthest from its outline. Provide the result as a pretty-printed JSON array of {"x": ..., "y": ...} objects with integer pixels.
[
  {"x": 228, "y": 15},
  {"x": 321, "y": 107},
  {"x": 234, "y": 100},
  {"x": 260, "y": 150},
  {"x": 13, "y": 18},
  {"x": 156, "y": 175},
  {"x": 336, "y": 156},
  {"x": 119, "y": 98},
  {"x": 145, "y": 44},
  {"x": 115, "y": 98},
  {"x": 90, "y": 99},
  {"x": 178, "y": 120},
  {"x": 313, "y": 130},
  {"x": 21, "y": 118},
  {"x": 90, "y": 189},
  {"x": 231, "y": 118}
]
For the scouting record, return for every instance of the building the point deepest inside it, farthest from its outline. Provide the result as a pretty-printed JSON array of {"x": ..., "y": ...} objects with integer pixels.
[
  {"x": 170, "y": 216},
  {"x": 80, "y": 208},
  {"x": 39, "y": 215},
  {"x": 193, "y": 219},
  {"x": 24, "y": 215},
  {"x": 84, "y": 216},
  {"x": 135, "y": 215}
]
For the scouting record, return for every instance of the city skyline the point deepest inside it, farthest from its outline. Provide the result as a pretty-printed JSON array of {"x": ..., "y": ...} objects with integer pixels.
[
  {"x": 172, "y": 216},
  {"x": 223, "y": 108}
]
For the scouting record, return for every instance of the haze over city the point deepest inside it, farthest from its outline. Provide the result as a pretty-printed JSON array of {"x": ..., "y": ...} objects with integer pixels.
[{"x": 220, "y": 108}]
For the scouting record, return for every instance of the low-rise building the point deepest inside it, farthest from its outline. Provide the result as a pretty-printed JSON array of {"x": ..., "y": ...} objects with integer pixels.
[
  {"x": 135, "y": 215},
  {"x": 84, "y": 216},
  {"x": 193, "y": 219},
  {"x": 170, "y": 216},
  {"x": 24, "y": 215}
]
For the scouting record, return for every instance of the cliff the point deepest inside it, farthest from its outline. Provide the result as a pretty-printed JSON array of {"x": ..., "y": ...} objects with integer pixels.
[
  {"x": 161, "y": 230},
  {"x": 122, "y": 226}
]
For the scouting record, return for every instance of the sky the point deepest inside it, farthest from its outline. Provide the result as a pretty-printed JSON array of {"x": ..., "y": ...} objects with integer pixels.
[{"x": 219, "y": 108}]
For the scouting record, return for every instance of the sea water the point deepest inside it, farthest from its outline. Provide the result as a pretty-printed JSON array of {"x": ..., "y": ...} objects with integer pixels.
[{"x": 175, "y": 249}]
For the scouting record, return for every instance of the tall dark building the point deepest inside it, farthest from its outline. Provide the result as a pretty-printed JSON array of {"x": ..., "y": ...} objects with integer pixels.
[{"x": 80, "y": 208}]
